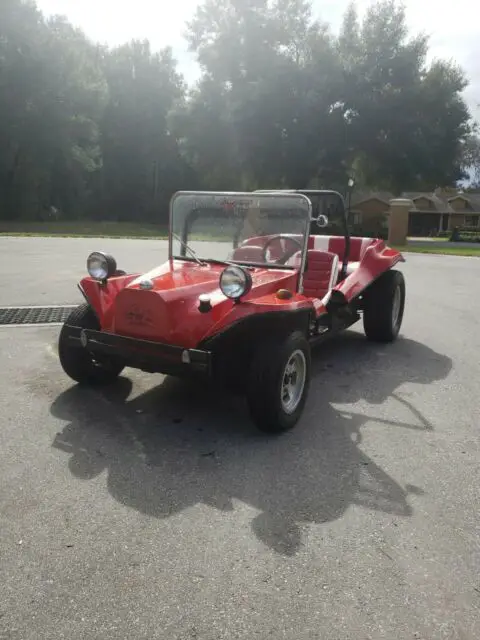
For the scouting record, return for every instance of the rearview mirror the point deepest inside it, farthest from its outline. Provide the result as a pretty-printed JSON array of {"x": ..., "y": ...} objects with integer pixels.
[{"x": 322, "y": 221}]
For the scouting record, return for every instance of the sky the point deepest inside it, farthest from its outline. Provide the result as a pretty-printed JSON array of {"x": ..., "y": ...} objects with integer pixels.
[{"x": 453, "y": 28}]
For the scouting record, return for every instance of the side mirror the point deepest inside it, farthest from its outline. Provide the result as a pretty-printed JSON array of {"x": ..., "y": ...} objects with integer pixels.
[{"x": 322, "y": 221}]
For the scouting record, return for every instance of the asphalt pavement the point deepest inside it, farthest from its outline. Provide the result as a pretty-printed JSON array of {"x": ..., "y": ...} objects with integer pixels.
[
  {"x": 153, "y": 509},
  {"x": 36, "y": 271}
]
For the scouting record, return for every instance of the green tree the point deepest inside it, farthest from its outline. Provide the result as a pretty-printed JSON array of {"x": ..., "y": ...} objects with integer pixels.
[
  {"x": 141, "y": 160},
  {"x": 471, "y": 160},
  {"x": 281, "y": 102},
  {"x": 52, "y": 92},
  {"x": 204, "y": 131},
  {"x": 278, "y": 73},
  {"x": 407, "y": 121}
]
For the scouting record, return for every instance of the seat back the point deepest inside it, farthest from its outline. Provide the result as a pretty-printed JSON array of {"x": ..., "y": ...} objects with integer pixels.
[
  {"x": 321, "y": 273},
  {"x": 358, "y": 246},
  {"x": 336, "y": 244}
]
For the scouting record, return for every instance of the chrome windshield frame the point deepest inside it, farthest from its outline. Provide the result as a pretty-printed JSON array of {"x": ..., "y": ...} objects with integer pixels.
[{"x": 248, "y": 195}]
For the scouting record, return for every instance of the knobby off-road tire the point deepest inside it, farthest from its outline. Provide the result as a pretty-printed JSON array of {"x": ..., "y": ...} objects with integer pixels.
[
  {"x": 267, "y": 390},
  {"x": 76, "y": 361},
  {"x": 384, "y": 304}
]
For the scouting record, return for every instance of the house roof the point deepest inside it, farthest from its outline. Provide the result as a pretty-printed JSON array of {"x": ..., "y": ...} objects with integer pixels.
[
  {"x": 472, "y": 198},
  {"x": 362, "y": 195},
  {"x": 440, "y": 200}
]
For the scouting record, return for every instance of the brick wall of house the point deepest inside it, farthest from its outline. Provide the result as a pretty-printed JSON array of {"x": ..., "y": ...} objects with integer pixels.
[
  {"x": 369, "y": 217},
  {"x": 372, "y": 208},
  {"x": 456, "y": 220}
]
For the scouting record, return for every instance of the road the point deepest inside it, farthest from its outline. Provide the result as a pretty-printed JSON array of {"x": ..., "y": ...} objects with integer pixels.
[
  {"x": 155, "y": 510},
  {"x": 40, "y": 271}
]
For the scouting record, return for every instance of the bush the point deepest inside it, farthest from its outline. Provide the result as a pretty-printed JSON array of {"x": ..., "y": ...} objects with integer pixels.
[{"x": 462, "y": 234}]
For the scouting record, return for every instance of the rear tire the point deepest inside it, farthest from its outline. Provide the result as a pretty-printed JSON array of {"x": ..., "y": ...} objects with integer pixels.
[
  {"x": 76, "y": 361},
  {"x": 279, "y": 382},
  {"x": 383, "y": 308}
]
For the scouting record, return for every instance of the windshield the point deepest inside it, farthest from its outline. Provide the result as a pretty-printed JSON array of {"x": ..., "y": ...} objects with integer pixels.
[
  {"x": 246, "y": 228},
  {"x": 325, "y": 203}
]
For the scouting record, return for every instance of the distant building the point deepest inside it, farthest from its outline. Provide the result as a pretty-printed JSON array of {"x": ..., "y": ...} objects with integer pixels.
[{"x": 432, "y": 212}]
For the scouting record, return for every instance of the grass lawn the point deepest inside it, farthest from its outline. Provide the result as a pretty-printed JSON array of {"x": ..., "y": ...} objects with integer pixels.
[
  {"x": 436, "y": 239},
  {"x": 438, "y": 249},
  {"x": 84, "y": 229},
  {"x": 87, "y": 229}
]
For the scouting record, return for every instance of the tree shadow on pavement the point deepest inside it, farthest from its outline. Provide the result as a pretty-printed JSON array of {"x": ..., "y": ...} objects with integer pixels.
[{"x": 179, "y": 444}]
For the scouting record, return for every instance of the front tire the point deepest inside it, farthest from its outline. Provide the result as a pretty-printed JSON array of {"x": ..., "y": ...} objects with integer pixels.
[
  {"x": 279, "y": 383},
  {"x": 76, "y": 361},
  {"x": 384, "y": 304}
]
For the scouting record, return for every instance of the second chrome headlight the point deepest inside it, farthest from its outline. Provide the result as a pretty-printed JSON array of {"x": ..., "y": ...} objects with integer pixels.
[{"x": 235, "y": 282}]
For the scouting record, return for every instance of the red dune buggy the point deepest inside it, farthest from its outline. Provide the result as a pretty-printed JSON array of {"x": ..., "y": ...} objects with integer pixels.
[{"x": 252, "y": 282}]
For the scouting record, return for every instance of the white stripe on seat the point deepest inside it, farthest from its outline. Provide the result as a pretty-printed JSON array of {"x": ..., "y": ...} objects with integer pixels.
[
  {"x": 333, "y": 278},
  {"x": 352, "y": 266},
  {"x": 365, "y": 243},
  {"x": 334, "y": 272},
  {"x": 321, "y": 243}
]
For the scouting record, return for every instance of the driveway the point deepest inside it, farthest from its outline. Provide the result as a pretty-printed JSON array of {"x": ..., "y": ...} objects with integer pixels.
[{"x": 154, "y": 509}]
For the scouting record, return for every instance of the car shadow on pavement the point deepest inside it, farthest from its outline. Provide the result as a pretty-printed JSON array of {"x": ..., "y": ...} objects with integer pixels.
[{"x": 179, "y": 443}]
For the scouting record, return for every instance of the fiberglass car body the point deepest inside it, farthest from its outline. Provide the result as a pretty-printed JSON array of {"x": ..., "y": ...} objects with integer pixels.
[{"x": 251, "y": 283}]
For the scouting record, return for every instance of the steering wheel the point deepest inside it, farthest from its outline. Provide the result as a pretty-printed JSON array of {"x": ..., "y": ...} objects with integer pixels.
[{"x": 287, "y": 254}]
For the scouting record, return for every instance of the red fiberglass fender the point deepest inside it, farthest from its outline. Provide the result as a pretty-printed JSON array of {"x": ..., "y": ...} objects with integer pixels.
[
  {"x": 101, "y": 296},
  {"x": 377, "y": 259},
  {"x": 170, "y": 309},
  {"x": 268, "y": 304}
]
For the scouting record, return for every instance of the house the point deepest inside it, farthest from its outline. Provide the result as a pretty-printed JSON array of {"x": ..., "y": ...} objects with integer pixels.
[{"x": 432, "y": 212}]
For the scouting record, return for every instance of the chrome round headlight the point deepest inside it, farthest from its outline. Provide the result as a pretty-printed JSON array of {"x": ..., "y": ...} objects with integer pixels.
[
  {"x": 100, "y": 265},
  {"x": 235, "y": 282}
]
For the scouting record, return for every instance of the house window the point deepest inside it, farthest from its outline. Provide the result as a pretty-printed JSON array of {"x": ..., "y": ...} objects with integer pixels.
[
  {"x": 471, "y": 221},
  {"x": 357, "y": 218}
]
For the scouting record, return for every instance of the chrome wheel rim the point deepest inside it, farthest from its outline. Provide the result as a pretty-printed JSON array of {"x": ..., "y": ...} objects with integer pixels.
[
  {"x": 397, "y": 300},
  {"x": 293, "y": 381}
]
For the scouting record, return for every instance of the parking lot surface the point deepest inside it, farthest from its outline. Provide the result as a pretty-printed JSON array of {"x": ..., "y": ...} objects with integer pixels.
[{"x": 153, "y": 509}]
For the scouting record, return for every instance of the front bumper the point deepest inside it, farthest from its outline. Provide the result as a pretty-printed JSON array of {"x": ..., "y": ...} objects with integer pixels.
[{"x": 146, "y": 355}]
